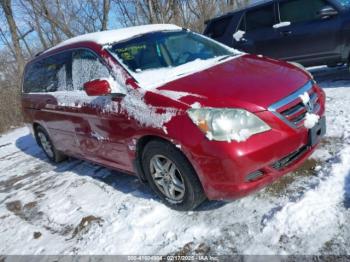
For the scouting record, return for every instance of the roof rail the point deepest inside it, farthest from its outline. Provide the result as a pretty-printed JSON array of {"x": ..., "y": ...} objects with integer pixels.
[{"x": 39, "y": 53}]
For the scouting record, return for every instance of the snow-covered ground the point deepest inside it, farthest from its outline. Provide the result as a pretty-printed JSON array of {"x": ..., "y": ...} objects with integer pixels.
[{"x": 79, "y": 208}]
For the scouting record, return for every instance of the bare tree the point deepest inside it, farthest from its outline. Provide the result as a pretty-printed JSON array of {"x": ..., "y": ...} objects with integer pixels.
[
  {"x": 48, "y": 22},
  {"x": 7, "y": 9},
  {"x": 106, "y": 9}
]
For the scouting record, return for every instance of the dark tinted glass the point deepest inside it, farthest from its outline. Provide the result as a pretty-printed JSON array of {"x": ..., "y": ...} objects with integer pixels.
[
  {"x": 344, "y": 3},
  {"x": 296, "y": 11},
  {"x": 166, "y": 49},
  {"x": 47, "y": 75},
  {"x": 217, "y": 28},
  {"x": 260, "y": 18}
]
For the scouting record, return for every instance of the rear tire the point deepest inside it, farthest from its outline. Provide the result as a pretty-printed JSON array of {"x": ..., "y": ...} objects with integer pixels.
[
  {"x": 45, "y": 142},
  {"x": 171, "y": 176}
]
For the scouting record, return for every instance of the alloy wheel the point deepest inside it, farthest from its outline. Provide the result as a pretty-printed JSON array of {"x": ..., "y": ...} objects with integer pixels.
[
  {"x": 46, "y": 144},
  {"x": 167, "y": 178}
]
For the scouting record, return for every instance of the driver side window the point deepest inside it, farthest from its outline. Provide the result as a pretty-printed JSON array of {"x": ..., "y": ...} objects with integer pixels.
[
  {"x": 86, "y": 66},
  {"x": 297, "y": 11}
]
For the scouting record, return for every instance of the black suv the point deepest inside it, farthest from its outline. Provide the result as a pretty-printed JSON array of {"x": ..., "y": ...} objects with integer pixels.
[{"x": 310, "y": 32}]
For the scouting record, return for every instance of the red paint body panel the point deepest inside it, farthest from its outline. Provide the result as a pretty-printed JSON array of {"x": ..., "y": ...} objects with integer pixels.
[{"x": 247, "y": 82}]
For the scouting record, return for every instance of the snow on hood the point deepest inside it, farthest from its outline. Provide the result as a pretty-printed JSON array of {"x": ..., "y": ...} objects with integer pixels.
[
  {"x": 231, "y": 82},
  {"x": 117, "y": 35},
  {"x": 153, "y": 78}
]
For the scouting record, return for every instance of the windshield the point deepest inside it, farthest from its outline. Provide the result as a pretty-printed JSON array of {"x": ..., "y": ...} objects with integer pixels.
[
  {"x": 166, "y": 49},
  {"x": 344, "y": 3}
]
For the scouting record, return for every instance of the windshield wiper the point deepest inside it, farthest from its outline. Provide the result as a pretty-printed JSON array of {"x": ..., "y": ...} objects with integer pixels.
[{"x": 225, "y": 57}]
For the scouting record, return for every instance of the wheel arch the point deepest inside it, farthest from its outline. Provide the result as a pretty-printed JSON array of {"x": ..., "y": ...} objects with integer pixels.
[{"x": 140, "y": 146}]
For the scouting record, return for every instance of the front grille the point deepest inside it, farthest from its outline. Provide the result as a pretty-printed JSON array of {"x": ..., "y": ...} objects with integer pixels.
[
  {"x": 292, "y": 110},
  {"x": 286, "y": 161}
]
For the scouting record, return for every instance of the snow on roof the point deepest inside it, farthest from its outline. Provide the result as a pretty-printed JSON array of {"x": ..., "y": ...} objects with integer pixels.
[{"x": 117, "y": 35}]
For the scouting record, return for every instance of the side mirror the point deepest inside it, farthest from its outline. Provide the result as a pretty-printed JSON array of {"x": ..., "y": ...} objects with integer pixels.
[
  {"x": 97, "y": 87},
  {"x": 327, "y": 12}
]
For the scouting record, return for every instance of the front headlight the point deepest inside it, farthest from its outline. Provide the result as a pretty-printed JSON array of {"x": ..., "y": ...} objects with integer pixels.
[{"x": 227, "y": 124}]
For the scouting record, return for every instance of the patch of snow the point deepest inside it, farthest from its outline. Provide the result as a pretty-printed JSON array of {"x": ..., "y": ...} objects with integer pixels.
[
  {"x": 282, "y": 24},
  {"x": 118, "y": 35},
  {"x": 134, "y": 105},
  {"x": 98, "y": 136},
  {"x": 311, "y": 120},
  {"x": 305, "y": 98},
  {"x": 318, "y": 213},
  {"x": 172, "y": 94},
  {"x": 178, "y": 146},
  {"x": 318, "y": 168},
  {"x": 238, "y": 36},
  {"x": 321, "y": 154},
  {"x": 153, "y": 78},
  {"x": 209, "y": 135},
  {"x": 165, "y": 130},
  {"x": 196, "y": 105}
]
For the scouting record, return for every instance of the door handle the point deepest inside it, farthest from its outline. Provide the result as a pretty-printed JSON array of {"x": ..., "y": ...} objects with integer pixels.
[
  {"x": 286, "y": 33},
  {"x": 50, "y": 104}
]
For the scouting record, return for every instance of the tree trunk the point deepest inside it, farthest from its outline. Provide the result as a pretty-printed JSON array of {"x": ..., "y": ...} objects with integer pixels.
[
  {"x": 6, "y": 6},
  {"x": 106, "y": 7}
]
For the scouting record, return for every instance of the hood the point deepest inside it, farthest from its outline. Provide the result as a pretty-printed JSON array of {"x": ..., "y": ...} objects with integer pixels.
[{"x": 249, "y": 81}]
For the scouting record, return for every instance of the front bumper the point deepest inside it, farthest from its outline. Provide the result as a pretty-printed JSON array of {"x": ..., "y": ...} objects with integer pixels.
[
  {"x": 225, "y": 169},
  {"x": 230, "y": 170}
]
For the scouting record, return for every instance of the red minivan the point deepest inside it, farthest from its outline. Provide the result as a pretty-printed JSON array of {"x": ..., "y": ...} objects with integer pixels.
[{"x": 190, "y": 116}]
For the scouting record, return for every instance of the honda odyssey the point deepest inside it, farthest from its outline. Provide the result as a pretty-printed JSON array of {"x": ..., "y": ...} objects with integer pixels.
[{"x": 190, "y": 116}]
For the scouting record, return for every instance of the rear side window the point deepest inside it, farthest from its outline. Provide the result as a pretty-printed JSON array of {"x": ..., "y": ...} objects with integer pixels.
[
  {"x": 217, "y": 28},
  {"x": 296, "y": 11},
  {"x": 86, "y": 66},
  {"x": 263, "y": 17},
  {"x": 47, "y": 75}
]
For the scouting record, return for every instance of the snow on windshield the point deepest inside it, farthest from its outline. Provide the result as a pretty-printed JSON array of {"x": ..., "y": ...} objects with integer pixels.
[{"x": 161, "y": 57}]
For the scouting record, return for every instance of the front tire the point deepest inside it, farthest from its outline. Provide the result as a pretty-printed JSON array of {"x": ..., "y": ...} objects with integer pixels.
[
  {"x": 171, "y": 176},
  {"x": 48, "y": 147}
]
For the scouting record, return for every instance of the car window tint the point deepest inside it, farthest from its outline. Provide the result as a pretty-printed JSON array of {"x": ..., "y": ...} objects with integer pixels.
[
  {"x": 296, "y": 11},
  {"x": 180, "y": 45},
  {"x": 166, "y": 49},
  {"x": 260, "y": 18},
  {"x": 86, "y": 66},
  {"x": 344, "y": 3},
  {"x": 141, "y": 54},
  {"x": 48, "y": 74},
  {"x": 217, "y": 28}
]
